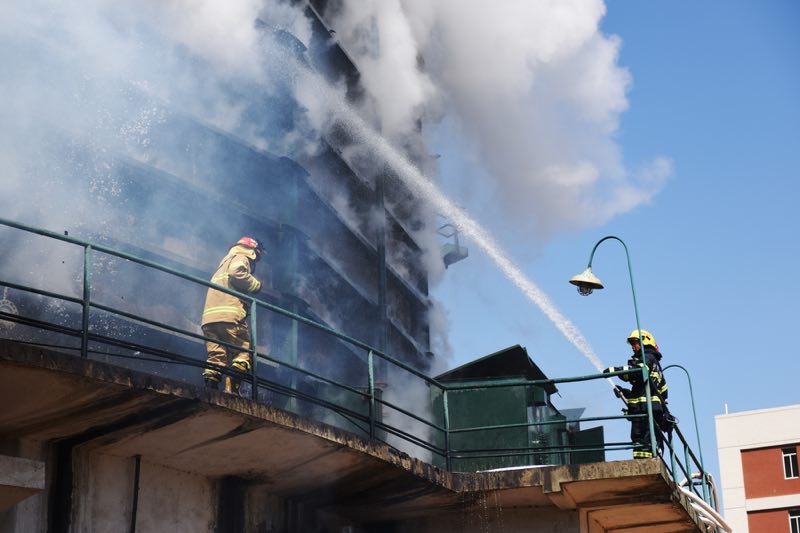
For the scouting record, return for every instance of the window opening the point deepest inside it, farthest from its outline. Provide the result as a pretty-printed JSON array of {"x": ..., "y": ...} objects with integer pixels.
[
  {"x": 794, "y": 521},
  {"x": 790, "y": 464}
]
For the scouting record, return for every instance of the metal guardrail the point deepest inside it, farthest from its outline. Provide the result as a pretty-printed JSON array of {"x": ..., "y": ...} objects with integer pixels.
[{"x": 437, "y": 438}]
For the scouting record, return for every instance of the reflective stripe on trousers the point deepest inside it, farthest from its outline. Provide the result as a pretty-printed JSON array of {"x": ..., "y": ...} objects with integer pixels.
[{"x": 236, "y": 333}]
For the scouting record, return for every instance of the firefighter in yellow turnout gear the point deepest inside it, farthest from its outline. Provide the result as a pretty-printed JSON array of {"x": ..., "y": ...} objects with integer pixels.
[
  {"x": 225, "y": 316},
  {"x": 636, "y": 397}
]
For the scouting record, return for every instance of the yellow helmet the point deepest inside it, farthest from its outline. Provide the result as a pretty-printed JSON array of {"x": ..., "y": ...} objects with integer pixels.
[{"x": 647, "y": 338}]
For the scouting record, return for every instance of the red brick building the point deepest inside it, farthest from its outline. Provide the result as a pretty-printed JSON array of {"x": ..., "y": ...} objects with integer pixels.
[{"x": 758, "y": 455}]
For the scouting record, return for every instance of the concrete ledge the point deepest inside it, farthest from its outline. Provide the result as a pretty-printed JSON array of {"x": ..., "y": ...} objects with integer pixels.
[
  {"x": 772, "y": 502},
  {"x": 123, "y": 413},
  {"x": 19, "y": 479}
]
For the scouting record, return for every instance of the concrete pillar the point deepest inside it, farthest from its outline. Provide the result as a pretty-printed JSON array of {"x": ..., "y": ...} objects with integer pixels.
[{"x": 19, "y": 479}]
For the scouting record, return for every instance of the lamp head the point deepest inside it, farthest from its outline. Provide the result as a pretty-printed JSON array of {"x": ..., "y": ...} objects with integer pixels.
[{"x": 586, "y": 282}]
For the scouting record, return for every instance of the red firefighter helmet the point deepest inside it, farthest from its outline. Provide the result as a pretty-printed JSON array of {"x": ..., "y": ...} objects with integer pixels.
[{"x": 253, "y": 244}]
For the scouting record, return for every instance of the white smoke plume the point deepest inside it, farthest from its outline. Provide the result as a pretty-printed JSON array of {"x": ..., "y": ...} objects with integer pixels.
[{"x": 534, "y": 87}]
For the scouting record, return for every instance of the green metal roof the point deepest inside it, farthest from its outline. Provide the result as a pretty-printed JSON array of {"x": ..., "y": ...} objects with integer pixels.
[{"x": 511, "y": 362}]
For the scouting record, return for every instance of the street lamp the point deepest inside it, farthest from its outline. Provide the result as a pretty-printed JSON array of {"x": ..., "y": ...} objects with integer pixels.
[{"x": 587, "y": 282}]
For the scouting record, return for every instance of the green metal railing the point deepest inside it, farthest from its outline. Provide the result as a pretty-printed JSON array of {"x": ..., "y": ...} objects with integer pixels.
[
  {"x": 437, "y": 430},
  {"x": 703, "y": 479},
  {"x": 86, "y": 336},
  {"x": 690, "y": 460}
]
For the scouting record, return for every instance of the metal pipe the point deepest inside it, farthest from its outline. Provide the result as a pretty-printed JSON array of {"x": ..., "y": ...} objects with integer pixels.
[
  {"x": 87, "y": 284},
  {"x": 354, "y": 390},
  {"x": 470, "y": 455},
  {"x": 253, "y": 351},
  {"x": 380, "y": 238},
  {"x": 671, "y": 454},
  {"x": 371, "y": 384},
  {"x": 544, "y": 423},
  {"x": 639, "y": 331},
  {"x": 713, "y": 489},
  {"x": 684, "y": 469},
  {"x": 447, "y": 458},
  {"x": 72, "y": 332},
  {"x": 417, "y": 441},
  {"x": 497, "y": 383},
  {"x": 41, "y": 292},
  {"x": 687, "y": 462},
  {"x": 407, "y": 413},
  {"x": 696, "y": 427},
  {"x": 554, "y": 448},
  {"x": 135, "y": 504}
]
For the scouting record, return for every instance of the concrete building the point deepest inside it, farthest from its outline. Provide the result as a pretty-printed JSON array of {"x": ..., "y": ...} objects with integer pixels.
[
  {"x": 105, "y": 423},
  {"x": 759, "y": 469},
  {"x": 99, "y": 448},
  {"x": 343, "y": 240}
]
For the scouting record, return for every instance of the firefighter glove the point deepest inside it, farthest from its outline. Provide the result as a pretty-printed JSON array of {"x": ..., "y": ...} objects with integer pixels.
[{"x": 621, "y": 392}]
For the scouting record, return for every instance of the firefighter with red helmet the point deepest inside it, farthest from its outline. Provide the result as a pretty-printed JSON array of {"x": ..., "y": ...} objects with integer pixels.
[
  {"x": 225, "y": 315},
  {"x": 636, "y": 397}
]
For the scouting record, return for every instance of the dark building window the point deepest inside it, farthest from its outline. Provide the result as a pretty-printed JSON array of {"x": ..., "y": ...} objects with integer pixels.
[
  {"x": 790, "y": 464},
  {"x": 794, "y": 521}
]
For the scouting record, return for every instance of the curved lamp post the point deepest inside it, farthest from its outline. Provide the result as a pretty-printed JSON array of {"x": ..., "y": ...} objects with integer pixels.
[
  {"x": 587, "y": 282},
  {"x": 696, "y": 428}
]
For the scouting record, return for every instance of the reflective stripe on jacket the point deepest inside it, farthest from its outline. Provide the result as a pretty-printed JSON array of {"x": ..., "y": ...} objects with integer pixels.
[
  {"x": 234, "y": 272},
  {"x": 636, "y": 397}
]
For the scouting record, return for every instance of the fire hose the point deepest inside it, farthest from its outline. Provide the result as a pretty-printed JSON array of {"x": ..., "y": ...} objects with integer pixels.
[{"x": 707, "y": 513}]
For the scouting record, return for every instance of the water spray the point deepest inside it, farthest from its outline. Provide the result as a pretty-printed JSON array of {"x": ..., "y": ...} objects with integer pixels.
[{"x": 425, "y": 188}]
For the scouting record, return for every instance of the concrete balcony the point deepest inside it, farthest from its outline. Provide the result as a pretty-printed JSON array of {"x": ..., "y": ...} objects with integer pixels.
[{"x": 122, "y": 446}]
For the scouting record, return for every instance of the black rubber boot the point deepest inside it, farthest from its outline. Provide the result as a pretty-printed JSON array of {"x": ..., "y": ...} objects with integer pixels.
[{"x": 212, "y": 383}]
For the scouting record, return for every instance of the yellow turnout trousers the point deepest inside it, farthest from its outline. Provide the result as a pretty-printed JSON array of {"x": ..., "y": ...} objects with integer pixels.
[{"x": 235, "y": 333}]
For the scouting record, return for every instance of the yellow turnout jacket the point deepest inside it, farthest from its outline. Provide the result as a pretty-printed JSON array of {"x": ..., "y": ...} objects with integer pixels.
[{"x": 234, "y": 272}]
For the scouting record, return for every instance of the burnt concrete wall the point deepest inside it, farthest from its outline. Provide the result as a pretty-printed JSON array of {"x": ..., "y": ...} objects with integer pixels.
[
  {"x": 29, "y": 514},
  {"x": 101, "y": 498},
  {"x": 168, "y": 499}
]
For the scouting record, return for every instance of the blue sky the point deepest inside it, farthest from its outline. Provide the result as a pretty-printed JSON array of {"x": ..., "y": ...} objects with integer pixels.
[{"x": 715, "y": 89}]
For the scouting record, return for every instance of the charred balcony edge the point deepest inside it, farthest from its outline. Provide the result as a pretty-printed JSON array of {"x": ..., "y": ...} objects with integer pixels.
[{"x": 330, "y": 459}]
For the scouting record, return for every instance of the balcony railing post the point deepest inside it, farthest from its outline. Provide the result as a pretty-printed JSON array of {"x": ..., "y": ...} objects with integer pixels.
[
  {"x": 648, "y": 395},
  {"x": 87, "y": 285},
  {"x": 253, "y": 350},
  {"x": 447, "y": 460},
  {"x": 687, "y": 462},
  {"x": 672, "y": 454},
  {"x": 696, "y": 431},
  {"x": 704, "y": 481},
  {"x": 371, "y": 384}
]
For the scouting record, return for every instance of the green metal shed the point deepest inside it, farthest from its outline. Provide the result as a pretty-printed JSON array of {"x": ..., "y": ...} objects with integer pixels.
[{"x": 533, "y": 430}]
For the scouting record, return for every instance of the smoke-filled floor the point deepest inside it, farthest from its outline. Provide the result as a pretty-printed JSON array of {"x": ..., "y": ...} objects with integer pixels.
[
  {"x": 168, "y": 133},
  {"x": 159, "y": 133}
]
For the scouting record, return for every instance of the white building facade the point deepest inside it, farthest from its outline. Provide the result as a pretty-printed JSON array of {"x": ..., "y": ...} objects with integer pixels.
[{"x": 758, "y": 459}]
